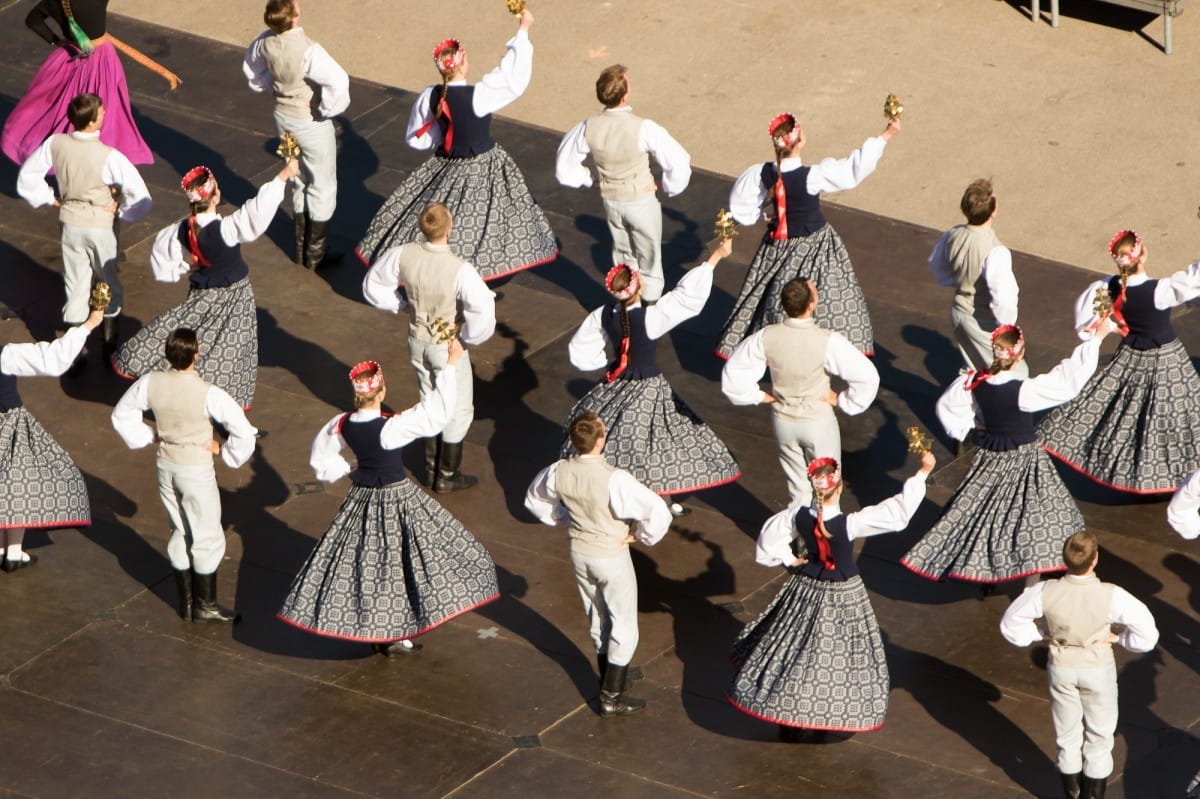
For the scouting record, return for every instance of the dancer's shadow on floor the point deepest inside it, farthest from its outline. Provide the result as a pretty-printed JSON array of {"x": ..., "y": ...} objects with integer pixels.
[{"x": 310, "y": 363}]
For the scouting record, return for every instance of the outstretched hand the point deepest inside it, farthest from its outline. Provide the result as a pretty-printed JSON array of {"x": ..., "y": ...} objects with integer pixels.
[{"x": 928, "y": 461}]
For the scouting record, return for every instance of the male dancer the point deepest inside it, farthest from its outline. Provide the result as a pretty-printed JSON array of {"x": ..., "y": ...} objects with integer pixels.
[
  {"x": 606, "y": 510},
  {"x": 97, "y": 185},
  {"x": 1079, "y": 612},
  {"x": 971, "y": 259},
  {"x": 310, "y": 89},
  {"x": 801, "y": 357},
  {"x": 185, "y": 408},
  {"x": 620, "y": 144},
  {"x": 438, "y": 284}
]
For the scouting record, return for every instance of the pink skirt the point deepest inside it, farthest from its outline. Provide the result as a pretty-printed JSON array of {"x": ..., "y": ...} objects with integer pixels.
[{"x": 43, "y": 110}]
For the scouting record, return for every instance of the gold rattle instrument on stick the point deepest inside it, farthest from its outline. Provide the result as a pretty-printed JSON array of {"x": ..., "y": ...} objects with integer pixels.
[
  {"x": 893, "y": 109},
  {"x": 289, "y": 148},
  {"x": 515, "y": 7},
  {"x": 918, "y": 442},
  {"x": 443, "y": 331},
  {"x": 101, "y": 296},
  {"x": 1102, "y": 303},
  {"x": 724, "y": 227}
]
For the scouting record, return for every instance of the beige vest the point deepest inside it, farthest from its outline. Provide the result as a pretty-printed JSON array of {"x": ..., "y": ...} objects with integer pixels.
[
  {"x": 612, "y": 136},
  {"x": 79, "y": 165},
  {"x": 582, "y": 485},
  {"x": 1076, "y": 612},
  {"x": 184, "y": 429},
  {"x": 795, "y": 351},
  {"x": 430, "y": 275},
  {"x": 967, "y": 246},
  {"x": 284, "y": 52}
]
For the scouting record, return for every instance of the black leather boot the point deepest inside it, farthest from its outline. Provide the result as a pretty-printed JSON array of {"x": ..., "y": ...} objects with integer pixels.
[
  {"x": 204, "y": 604},
  {"x": 109, "y": 329},
  {"x": 448, "y": 477},
  {"x": 183, "y": 581},
  {"x": 1094, "y": 787},
  {"x": 613, "y": 702},
  {"x": 1072, "y": 785},
  {"x": 318, "y": 238},
  {"x": 633, "y": 674},
  {"x": 300, "y": 225},
  {"x": 433, "y": 448}
]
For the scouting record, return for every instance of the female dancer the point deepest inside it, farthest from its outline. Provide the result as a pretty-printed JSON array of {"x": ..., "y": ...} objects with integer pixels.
[
  {"x": 70, "y": 70},
  {"x": 393, "y": 564},
  {"x": 498, "y": 227},
  {"x": 39, "y": 484},
  {"x": 1012, "y": 513},
  {"x": 651, "y": 433},
  {"x": 814, "y": 659},
  {"x": 799, "y": 242},
  {"x": 1136, "y": 426},
  {"x": 220, "y": 303}
]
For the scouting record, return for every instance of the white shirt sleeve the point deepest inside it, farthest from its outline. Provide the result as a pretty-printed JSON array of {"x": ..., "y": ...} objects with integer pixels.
[
  {"x": 225, "y": 411},
  {"x": 320, "y": 68},
  {"x": 423, "y": 115},
  {"x": 1002, "y": 285},
  {"x": 31, "y": 179},
  {"x": 478, "y": 306},
  {"x": 568, "y": 163},
  {"x": 382, "y": 281},
  {"x": 939, "y": 264},
  {"x": 747, "y": 196},
  {"x": 632, "y": 501},
  {"x": 1179, "y": 288},
  {"x": 44, "y": 358},
  {"x": 135, "y": 197},
  {"x": 1019, "y": 623},
  {"x": 127, "y": 417},
  {"x": 509, "y": 80},
  {"x": 862, "y": 378},
  {"x": 1140, "y": 633},
  {"x": 1085, "y": 316},
  {"x": 742, "y": 372},
  {"x": 839, "y": 174},
  {"x": 890, "y": 515},
  {"x": 1063, "y": 382},
  {"x": 166, "y": 255},
  {"x": 774, "y": 547},
  {"x": 326, "y": 454},
  {"x": 956, "y": 409},
  {"x": 681, "y": 303},
  {"x": 251, "y": 220},
  {"x": 675, "y": 161},
  {"x": 541, "y": 498},
  {"x": 254, "y": 66},
  {"x": 587, "y": 347},
  {"x": 425, "y": 419},
  {"x": 1182, "y": 511}
]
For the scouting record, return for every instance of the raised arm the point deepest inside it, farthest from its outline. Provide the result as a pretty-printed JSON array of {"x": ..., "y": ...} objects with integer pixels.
[
  {"x": 839, "y": 174},
  {"x": 895, "y": 513},
  {"x": 509, "y": 80},
  {"x": 251, "y": 220},
  {"x": 428, "y": 417},
  {"x": 688, "y": 297},
  {"x": 48, "y": 358},
  {"x": 1065, "y": 381}
]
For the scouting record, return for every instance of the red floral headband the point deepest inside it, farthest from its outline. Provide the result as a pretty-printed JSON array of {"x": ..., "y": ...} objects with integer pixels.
[
  {"x": 825, "y": 482},
  {"x": 449, "y": 55},
  {"x": 202, "y": 192},
  {"x": 1126, "y": 259},
  {"x": 787, "y": 139},
  {"x": 1008, "y": 353},
  {"x": 635, "y": 281},
  {"x": 367, "y": 377}
]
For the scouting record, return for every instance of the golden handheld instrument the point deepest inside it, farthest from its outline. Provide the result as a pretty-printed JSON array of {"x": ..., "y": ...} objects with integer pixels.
[
  {"x": 918, "y": 442},
  {"x": 443, "y": 331},
  {"x": 101, "y": 296},
  {"x": 724, "y": 227},
  {"x": 288, "y": 148},
  {"x": 515, "y": 7},
  {"x": 893, "y": 109}
]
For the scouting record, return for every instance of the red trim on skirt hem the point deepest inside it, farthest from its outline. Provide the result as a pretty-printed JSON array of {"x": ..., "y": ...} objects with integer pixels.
[
  {"x": 1094, "y": 479},
  {"x": 979, "y": 580},
  {"x": 761, "y": 717},
  {"x": 726, "y": 481},
  {"x": 45, "y": 525},
  {"x": 325, "y": 634}
]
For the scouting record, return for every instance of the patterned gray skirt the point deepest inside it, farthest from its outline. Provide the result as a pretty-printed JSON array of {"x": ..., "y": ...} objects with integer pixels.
[
  {"x": 1009, "y": 518},
  {"x": 498, "y": 226},
  {"x": 1136, "y": 425},
  {"x": 226, "y": 324},
  {"x": 655, "y": 437},
  {"x": 813, "y": 659},
  {"x": 393, "y": 564},
  {"x": 822, "y": 258},
  {"x": 39, "y": 483}
]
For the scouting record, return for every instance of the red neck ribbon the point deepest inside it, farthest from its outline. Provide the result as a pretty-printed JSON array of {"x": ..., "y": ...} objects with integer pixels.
[
  {"x": 781, "y": 231},
  {"x": 824, "y": 550}
]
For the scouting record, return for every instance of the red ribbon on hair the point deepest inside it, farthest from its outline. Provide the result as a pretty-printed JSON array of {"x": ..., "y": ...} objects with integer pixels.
[
  {"x": 780, "y": 232},
  {"x": 974, "y": 378},
  {"x": 198, "y": 260},
  {"x": 1117, "y": 316},
  {"x": 824, "y": 551}
]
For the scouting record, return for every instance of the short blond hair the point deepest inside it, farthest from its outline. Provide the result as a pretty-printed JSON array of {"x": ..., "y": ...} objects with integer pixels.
[
  {"x": 612, "y": 85},
  {"x": 434, "y": 221},
  {"x": 1079, "y": 552}
]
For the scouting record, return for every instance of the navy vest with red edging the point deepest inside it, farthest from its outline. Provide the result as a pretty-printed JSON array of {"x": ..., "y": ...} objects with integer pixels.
[
  {"x": 1149, "y": 327},
  {"x": 376, "y": 467},
  {"x": 841, "y": 548},
  {"x": 226, "y": 265},
  {"x": 9, "y": 396},
  {"x": 804, "y": 215},
  {"x": 1006, "y": 426},
  {"x": 472, "y": 134},
  {"x": 643, "y": 361}
]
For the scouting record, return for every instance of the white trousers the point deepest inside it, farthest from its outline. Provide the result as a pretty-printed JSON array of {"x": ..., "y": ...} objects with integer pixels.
[
  {"x": 314, "y": 190},
  {"x": 608, "y": 587},
  {"x": 801, "y": 442},
  {"x": 636, "y": 229},
  {"x": 975, "y": 343},
  {"x": 428, "y": 359},
  {"x": 1083, "y": 703},
  {"x": 89, "y": 253},
  {"x": 193, "y": 503}
]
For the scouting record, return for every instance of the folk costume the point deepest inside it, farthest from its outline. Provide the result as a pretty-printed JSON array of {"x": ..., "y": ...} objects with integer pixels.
[
  {"x": 498, "y": 226},
  {"x": 799, "y": 242},
  {"x": 40, "y": 485},
  {"x": 394, "y": 563},
  {"x": 1136, "y": 426},
  {"x": 651, "y": 432},
  {"x": 814, "y": 658},
  {"x": 442, "y": 288},
  {"x": 220, "y": 302},
  {"x": 1011, "y": 514},
  {"x": 621, "y": 145},
  {"x": 84, "y": 61},
  {"x": 310, "y": 88},
  {"x": 1182, "y": 512}
]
